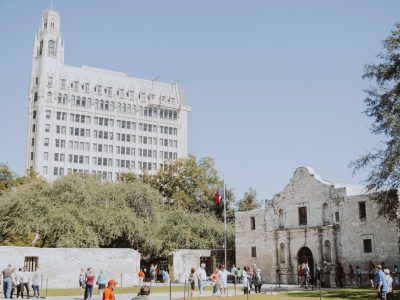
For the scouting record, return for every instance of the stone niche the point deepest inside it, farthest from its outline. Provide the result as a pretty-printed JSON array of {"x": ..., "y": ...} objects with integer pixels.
[{"x": 182, "y": 260}]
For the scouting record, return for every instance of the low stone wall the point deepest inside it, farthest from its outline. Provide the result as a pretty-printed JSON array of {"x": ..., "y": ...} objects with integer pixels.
[{"x": 60, "y": 267}]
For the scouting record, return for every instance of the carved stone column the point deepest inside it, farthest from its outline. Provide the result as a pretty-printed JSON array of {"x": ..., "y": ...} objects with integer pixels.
[
  {"x": 320, "y": 246},
  {"x": 288, "y": 252},
  {"x": 276, "y": 263},
  {"x": 335, "y": 246}
]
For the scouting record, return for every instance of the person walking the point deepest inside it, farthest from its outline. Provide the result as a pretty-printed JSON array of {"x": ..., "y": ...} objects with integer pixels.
[
  {"x": 89, "y": 282},
  {"x": 223, "y": 279},
  {"x": 371, "y": 274},
  {"x": 108, "y": 293},
  {"x": 358, "y": 274},
  {"x": 192, "y": 281},
  {"x": 215, "y": 281},
  {"x": 396, "y": 276},
  {"x": 245, "y": 280},
  {"x": 153, "y": 275},
  {"x": 141, "y": 277},
  {"x": 18, "y": 280},
  {"x": 7, "y": 282},
  {"x": 327, "y": 275},
  {"x": 82, "y": 277},
  {"x": 389, "y": 279},
  {"x": 36, "y": 283},
  {"x": 13, "y": 283},
  {"x": 165, "y": 277},
  {"x": 257, "y": 281},
  {"x": 339, "y": 274},
  {"x": 381, "y": 283},
  {"x": 352, "y": 276},
  {"x": 201, "y": 277},
  {"x": 101, "y": 283},
  {"x": 26, "y": 281}
]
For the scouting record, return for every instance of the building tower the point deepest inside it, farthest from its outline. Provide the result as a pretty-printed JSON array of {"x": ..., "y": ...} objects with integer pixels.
[
  {"x": 97, "y": 121},
  {"x": 47, "y": 58}
]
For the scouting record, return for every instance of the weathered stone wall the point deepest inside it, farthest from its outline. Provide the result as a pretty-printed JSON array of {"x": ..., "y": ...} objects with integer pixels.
[
  {"x": 353, "y": 230},
  {"x": 182, "y": 260},
  {"x": 61, "y": 266},
  {"x": 333, "y": 231}
]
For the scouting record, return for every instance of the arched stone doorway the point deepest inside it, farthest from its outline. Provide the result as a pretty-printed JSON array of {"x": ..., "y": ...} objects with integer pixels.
[{"x": 305, "y": 256}]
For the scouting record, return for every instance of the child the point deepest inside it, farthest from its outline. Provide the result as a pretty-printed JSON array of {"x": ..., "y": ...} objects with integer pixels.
[
  {"x": 215, "y": 281},
  {"x": 192, "y": 281}
]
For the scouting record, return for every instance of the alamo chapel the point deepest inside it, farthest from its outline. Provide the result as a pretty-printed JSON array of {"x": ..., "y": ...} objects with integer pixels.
[{"x": 314, "y": 220}]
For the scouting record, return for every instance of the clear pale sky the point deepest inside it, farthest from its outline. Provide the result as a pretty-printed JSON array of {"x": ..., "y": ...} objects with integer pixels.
[{"x": 273, "y": 85}]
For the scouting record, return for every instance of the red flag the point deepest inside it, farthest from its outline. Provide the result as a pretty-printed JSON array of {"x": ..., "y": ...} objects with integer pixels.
[{"x": 217, "y": 198}]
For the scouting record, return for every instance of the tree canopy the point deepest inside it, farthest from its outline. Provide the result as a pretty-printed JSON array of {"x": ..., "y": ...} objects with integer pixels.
[
  {"x": 383, "y": 106},
  {"x": 79, "y": 210},
  {"x": 249, "y": 201}
]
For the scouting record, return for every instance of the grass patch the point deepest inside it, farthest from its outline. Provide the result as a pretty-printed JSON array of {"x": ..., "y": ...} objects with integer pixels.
[
  {"x": 340, "y": 294},
  {"x": 118, "y": 290}
]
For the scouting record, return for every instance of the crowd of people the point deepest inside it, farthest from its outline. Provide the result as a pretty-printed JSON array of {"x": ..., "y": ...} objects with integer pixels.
[
  {"x": 379, "y": 277},
  {"x": 250, "y": 277},
  {"x": 17, "y": 281},
  {"x": 87, "y": 279}
]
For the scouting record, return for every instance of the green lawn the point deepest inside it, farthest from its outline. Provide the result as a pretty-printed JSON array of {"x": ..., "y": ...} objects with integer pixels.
[
  {"x": 355, "y": 294},
  {"x": 122, "y": 290}
]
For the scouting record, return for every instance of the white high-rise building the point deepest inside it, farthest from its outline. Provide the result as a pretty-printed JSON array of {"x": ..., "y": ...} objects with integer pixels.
[{"x": 90, "y": 120}]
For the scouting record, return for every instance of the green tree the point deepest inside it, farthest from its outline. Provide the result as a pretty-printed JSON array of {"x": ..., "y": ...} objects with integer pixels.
[
  {"x": 7, "y": 178},
  {"x": 79, "y": 210},
  {"x": 249, "y": 201},
  {"x": 383, "y": 106}
]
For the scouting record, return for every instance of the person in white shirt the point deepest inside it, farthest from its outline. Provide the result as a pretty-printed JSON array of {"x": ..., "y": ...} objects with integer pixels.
[
  {"x": 18, "y": 281},
  {"x": 36, "y": 283},
  {"x": 202, "y": 277},
  {"x": 223, "y": 279},
  {"x": 245, "y": 280},
  {"x": 26, "y": 280}
]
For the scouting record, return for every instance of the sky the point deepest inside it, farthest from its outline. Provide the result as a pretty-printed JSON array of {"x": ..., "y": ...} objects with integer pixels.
[{"x": 273, "y": 85}]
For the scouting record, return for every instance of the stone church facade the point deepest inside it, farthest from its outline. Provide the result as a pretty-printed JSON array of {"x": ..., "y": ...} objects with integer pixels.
[{"x": 314, "y": 220}]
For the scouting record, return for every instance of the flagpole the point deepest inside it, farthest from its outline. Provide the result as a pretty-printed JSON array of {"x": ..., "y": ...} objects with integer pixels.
[{"x": 224, "y": 224}]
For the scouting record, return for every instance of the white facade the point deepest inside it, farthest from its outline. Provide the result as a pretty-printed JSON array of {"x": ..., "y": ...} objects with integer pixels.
[
  {"x": 60, "y": 267},
  {"x": 96, "y": 121},
  {"x": 314, "y": 220}
]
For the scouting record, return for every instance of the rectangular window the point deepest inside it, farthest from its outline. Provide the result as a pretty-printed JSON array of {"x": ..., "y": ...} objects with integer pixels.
[
  {"x": 31, "y": 263},
  {"x": 46, "y": 142},
  {"x": 253, "y": 252},
  {"x": 337, "y": 216},
  {"x": 252, "y": 223},
  {"x": 50, "y": 81},
  {"x": 303, "y": 215},
  {"x": 86, "y": 87},
  {"x": 367, "y": 245},
  {"x": 362, "y": 211},
  {"x": 63, "y": 83},
  {"x": 47, "y": 128}
]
